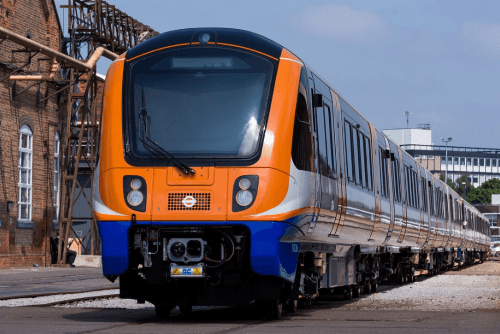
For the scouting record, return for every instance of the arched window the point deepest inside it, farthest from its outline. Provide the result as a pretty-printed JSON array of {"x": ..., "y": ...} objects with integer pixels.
[
  {"x": 25, "y": 174},
  {"x": 57, "y": 177}
]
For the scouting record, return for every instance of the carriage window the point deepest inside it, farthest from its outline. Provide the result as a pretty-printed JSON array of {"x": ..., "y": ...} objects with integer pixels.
[
  {"x": 446, "y": 212},
  {"x": 407, "y": 183},
  {"x": 362, "y": 162},
  {"x": 355, "y": 152},
  {"x": 348, "y": 150},
  {"x": 383, "y": 173},
  {"x": 329, "y": 141},
  {"x": 302, "y": 154},
  {"x": 424, "y": 195},
  {"x": 431, "y": 198},
  {"x": 323, "y": 158},
  {"x": 417, "y": 198},
  {"x": 396, "y": 183},
  {"x": 369, "y": 165}
]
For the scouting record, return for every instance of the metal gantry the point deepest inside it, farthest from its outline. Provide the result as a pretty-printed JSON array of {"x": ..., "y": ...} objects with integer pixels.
[
  {"x": 92, "y": 25},
  {"x": 95, "y": 29}
]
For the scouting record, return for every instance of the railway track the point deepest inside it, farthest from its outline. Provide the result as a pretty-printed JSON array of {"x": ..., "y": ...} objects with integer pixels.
[{"x": 52, "y": 299}]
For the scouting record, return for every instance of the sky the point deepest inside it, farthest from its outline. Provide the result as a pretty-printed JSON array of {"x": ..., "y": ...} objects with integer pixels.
[{"x": 438, "y": 60}]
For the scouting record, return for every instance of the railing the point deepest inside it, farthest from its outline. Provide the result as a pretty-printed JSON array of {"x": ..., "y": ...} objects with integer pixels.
[{"x": 443, "y": 148}]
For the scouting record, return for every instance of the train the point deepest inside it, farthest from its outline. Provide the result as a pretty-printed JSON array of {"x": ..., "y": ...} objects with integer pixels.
[{"x": 229, "y": 172}]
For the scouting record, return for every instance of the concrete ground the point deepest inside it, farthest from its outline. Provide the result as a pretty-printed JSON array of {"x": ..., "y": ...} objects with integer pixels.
[
  {"x": 321, "y": 317},
  {"x": 318, "y": 319},
  {"x": 45, "y": 280}
]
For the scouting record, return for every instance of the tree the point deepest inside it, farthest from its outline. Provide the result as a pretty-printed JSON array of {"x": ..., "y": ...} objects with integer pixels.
[
  {"x": 461, "y": 189},
  {"x": 482, "y": 195}
]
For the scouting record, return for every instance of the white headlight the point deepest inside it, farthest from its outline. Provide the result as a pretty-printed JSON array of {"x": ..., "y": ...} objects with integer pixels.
[
  {"x": 136, "y": 184},
  {"x": 244, "y": 197},
  {"x": 245, "y": 184},
  {"x": 135, "y": 197}
]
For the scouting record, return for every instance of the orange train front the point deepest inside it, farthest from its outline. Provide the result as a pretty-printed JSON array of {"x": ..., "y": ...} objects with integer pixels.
[{"x": 224, "y": 177}]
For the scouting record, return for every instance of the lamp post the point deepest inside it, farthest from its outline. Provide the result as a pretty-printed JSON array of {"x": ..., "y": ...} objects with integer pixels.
[
  {"x": 465, "y": 189},
  {"x": 446, "y": 154},
  {"x": 407, "y": 113}
]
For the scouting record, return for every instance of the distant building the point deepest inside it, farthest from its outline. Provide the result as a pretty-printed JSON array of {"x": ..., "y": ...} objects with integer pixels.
[
  {"x": 479, "y": 164},
  {"x": 492, "y": 212},
  {"x": 419, "y": 136}
]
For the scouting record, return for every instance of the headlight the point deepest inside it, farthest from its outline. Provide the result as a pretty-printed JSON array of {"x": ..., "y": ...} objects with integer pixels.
[
  {"x": 135, "y": 197},
  {"x": 136, "y": 184},
  {"x": 135, "y": 192},
  {"x": 244, "y": 197},
  {"x": 244, "y": 192},
  {"x": 245, "y": 184}
]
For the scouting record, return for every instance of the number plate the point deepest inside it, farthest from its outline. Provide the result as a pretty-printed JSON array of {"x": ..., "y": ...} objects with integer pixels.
[{"x": 186, "y": 271}]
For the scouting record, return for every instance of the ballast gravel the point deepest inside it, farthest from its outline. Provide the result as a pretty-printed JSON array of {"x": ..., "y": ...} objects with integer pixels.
[
  {"x": 472, "y": 288},
  {"x": 439, "y": 293},
  {"x": 54, "y": 298}
]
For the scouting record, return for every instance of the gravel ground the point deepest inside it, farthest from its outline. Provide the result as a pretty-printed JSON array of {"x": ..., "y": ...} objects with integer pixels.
[
  {"x": 439, "y": 293},
  {"x": 476, "y": 287},
  {"x": 54, "y": 298},
  {"x": 110, "y": 303}
]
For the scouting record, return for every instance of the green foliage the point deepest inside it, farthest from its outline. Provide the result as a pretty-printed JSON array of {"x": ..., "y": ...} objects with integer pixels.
[
  {"x": 461, "y": 189},
  {"x": 482, "y": 195}
]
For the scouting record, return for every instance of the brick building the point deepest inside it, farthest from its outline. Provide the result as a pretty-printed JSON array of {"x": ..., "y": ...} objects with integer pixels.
[{"x": 31, "y": 137}]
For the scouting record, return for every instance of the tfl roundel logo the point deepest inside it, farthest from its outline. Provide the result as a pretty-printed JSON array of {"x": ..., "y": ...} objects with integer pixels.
[{"x": 188, "y": 201}]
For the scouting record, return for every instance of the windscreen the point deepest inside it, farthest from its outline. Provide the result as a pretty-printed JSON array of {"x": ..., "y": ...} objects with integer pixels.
[{"x": 205, "y": 102}]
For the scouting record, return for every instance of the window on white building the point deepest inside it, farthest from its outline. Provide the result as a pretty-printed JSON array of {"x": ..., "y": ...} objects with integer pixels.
[
  {"x": 481, "y": 162},
  {"x": 462, "y": 161},
  {"x": 493, "y": 162},
  {"x": 25, "y": 174},
  {"x": 455, "y": 161},
  {"x": 57, "y": 176},
  {"x": 487, "y": 162},
  {"x": 468, "y": 161},
  {"x": 475, "y": 161}
]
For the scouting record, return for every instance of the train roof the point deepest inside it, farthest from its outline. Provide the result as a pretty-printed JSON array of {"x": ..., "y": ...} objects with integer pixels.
[{"x": 229, "y": 36}]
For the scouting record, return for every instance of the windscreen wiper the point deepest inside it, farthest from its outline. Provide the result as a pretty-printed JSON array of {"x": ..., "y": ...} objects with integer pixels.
[{"x": 151, "y": 146}]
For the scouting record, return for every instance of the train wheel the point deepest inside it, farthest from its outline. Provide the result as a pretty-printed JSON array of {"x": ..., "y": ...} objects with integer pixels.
[
  {"x": 374, "y": 286},
  {"x": 186, "y": 310},
  {"x": 163, "y": 311},
  {"x": 356, "y": 291},
  {"x": 272, "y": 309},
  {"x": 348, "y": 294},
  {"x": 368, "y": 287},
  {"x": 276, "y": 309},
  {"x": 292, "y": 305}
]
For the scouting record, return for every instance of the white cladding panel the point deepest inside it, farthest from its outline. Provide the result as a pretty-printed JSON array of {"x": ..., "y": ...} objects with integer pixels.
[{"x": 410, "y": 136}]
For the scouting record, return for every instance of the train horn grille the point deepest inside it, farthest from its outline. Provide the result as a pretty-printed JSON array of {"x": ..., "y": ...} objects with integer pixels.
[{"x": 189, "y": 201}]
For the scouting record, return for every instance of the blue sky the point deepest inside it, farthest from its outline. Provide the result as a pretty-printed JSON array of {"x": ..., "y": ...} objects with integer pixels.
[{"x": 437, "y": 59}]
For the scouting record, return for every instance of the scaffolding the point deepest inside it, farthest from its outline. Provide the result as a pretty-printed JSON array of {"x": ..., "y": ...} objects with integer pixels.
[
  {"x": 95, "y": 29},
  {"x": 92, "y": 25}
]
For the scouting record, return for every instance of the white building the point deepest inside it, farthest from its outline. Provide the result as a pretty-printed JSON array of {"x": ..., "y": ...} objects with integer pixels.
[{"x": 479, "y": 164}]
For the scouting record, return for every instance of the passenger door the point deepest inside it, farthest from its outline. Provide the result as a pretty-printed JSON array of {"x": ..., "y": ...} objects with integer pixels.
[
  {"x": 317, "y": 174},
  {"x": 325, "y": 131}
]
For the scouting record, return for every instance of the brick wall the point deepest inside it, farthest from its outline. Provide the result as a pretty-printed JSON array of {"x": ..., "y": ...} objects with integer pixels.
[{"x": 26, "y": 246}]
